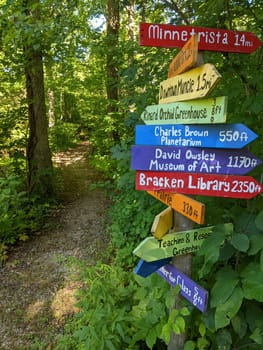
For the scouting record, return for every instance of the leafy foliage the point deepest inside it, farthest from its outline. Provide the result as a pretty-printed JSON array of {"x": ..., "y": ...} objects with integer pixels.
[
  {"x": 119, "y": 310},
  {"x": 20, "y": 215}
]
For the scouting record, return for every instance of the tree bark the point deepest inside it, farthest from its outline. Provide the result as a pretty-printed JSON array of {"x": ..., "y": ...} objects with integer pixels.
[
  {"x": 112, "y": 82},
  {"x": 38, "y": 152}
]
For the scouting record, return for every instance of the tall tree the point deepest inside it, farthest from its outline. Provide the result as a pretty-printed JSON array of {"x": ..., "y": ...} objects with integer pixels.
[
  {"x": 112, "y": 80},
  {"x": 38, "y": 151}
]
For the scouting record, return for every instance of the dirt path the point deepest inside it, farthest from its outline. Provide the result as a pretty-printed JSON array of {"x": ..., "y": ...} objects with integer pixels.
[{"x": 37, "y": 287}]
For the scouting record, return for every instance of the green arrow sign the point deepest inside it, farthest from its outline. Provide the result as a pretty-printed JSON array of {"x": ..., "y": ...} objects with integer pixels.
[
  {"x": 176, "y": 243},
  {"x": 202, "y": 111}
]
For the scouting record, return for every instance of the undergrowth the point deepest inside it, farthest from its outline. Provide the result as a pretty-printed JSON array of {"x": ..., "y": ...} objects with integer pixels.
[{"x": 20, "y": 213}]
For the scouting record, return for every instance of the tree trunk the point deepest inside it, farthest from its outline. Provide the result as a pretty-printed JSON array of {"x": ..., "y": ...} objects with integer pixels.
[
  {"x": 112, "y": 82},
  {"x": 38, "y": 151}
]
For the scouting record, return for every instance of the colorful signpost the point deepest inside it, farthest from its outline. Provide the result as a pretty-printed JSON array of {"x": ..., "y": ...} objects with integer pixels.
[
  {"x": 210, "y": 39},
  {"x": 162, "y": 223},
  {"x": 185, "y": 59},
  {"x": 197, "y": 160},
  {"x": 184, "y": 205},
  {"x": 217, "y": 136},
  {"x": 200, "y": 184},
  {"x": 190, "y": 290},
  {"x": 172, "y": 156},
  {"x": 196, "y": 83},
  {"x": 176, "y": 243},
  {"x": 203, "y": 111}
]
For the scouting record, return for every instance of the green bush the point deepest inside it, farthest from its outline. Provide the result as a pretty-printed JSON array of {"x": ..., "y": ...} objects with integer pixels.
[
  {"x": 20, "y": 214},
  {"x": 63, "y": 135},
  {"x": 233, "y": 274},
  {"x": 120, "y": 310}
]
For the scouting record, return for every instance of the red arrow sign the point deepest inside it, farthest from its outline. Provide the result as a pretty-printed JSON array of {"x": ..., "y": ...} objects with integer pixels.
[
  {"x": 201, "y": 184},
  {"x": 211, "y": 39}
]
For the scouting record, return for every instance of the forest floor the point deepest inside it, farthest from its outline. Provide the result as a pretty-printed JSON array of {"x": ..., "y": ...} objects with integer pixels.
[{"x": 37, "y": 284}]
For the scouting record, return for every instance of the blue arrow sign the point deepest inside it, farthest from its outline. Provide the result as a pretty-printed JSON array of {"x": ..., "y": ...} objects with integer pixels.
[
  {"x": 217, "y": 136},
  {"x": 145, "y": 268},
  {"x": 197, "y": 160},
  {"x": 189, "y": 289}
]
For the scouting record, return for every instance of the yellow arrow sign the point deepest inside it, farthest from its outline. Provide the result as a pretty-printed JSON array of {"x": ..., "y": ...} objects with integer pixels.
[
  {"x": 195, "y": 83},
  {"x": 186, "y": 58},
  {"x": 162, "y": 223},
  {"x": 184, "y": 205}
]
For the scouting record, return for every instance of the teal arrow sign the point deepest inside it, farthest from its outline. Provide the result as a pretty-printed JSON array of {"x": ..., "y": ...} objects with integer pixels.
[{"x": 176, "y": 243}]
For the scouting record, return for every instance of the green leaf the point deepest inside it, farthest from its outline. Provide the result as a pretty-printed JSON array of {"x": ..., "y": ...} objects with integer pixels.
[
  {"x": 239, "y": 325},
  {"x": 176, "y": 328},
  {"x": 110, "y": 344},
  {"x": 224, "y": 340},
  {"x": 227, "y": 280},
  {"x": 226, "y": 311},
  {"x": 189, "y": 345},
  {"x": 257, "y": 336},
  {"x": 252, "y": 282},
  {"x": 202, "y": 329},
  {"x": 166, "y": 333},
  {"x": 259, "y": 221},
  {"x": 151, "y": 338},
  {"x": 240, "y": 241},
  {"x": 261, "y": 261},
  {"x": 120, "y": 330},
  {"x": 254, "y": 316},
  {"x": 210, "y": 249},
  {"x": 226, "y": 252},
  {"x": 184, "y": 311},
  {"x": 180, "y": 322},
  {"x": 256, "y": 244}
]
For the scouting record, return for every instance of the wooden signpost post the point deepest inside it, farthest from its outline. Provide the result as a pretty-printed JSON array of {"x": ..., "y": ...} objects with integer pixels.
[
  {"x": 186, "y": 206},
  {"x": 176, "y": 243},
  {"x": 215, "y": 136},
  {"x": 203, "y": 111},
  {"x": 196, "y": 83},
  {"x": 209, "y": 39},
  {"x": 197, "y": 160},
  {"x": 186, "y": 58}
]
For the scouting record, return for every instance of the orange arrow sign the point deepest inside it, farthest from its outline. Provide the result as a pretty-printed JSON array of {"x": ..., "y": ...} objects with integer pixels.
[
  {"x": 162, "y": 223},
  {"x": 186, "y": 58},
  {"x": 184, "y": 205}
]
